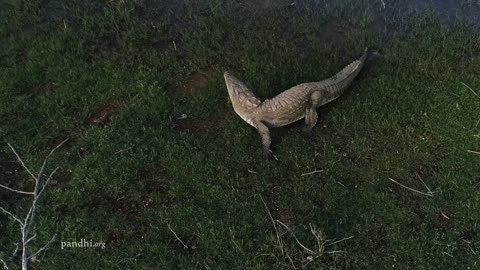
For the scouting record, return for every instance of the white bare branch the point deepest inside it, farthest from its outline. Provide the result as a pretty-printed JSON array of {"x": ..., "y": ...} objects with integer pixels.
[
  {"x": 56, "y": 148},
  {"x": 26, "y": 224},
  {"x": 11, "y": 215},
  {"x": 47, "y": 181},
  {"x": 5, "y": 266},
  {"x": 40, "y": 173},
  {"x": 30, "y": 239},
  {"x": 43, "y": 248},
  {"x": 15, "y": 252},
  {"x": 22, "y": 163},
  {"x": 16, "y": 190}
]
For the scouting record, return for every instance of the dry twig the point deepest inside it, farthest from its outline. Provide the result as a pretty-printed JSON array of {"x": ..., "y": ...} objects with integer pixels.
[
  {"x": 16, "y": 190},
  {"x": 335, "y": 251},
  {"x": 22, "y": 163},
  {"x": 313, "y": 253},
  {"x": 42, "y": 249},
  {"x": 338, "y": 241},
  {"x": 5, "y": 266},
  {"x": 12, "y": 216},
  {"x": 176, "y": 236},
  {"x": 448, "y": 254},
  {"x": 310, "y": 173},
  {"x": 280, "y": 244},
  {"x": 383, "y": 3},
  {"x": 411, "y": 189},
  {"x": 473, "y": 152},
  {"x": 445, "y": 216},
  {"x": 296, "y": 239},
  {"x": 420, "y": 178},
  {"x": 469, "y": 88}
]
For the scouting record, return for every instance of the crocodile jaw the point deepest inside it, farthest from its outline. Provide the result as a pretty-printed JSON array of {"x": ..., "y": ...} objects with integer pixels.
[
  {"x": 244, "y": 102},
  {"x": 246, "y": 117}
]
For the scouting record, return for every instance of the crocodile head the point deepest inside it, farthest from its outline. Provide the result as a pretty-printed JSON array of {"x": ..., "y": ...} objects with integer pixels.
[{"x": 244, "y": 102}]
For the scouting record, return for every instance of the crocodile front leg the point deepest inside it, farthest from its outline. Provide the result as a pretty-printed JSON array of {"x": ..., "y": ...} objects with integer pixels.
[
  {"x": 265, "y": 136},
  {"x": 311, "y": 115}
]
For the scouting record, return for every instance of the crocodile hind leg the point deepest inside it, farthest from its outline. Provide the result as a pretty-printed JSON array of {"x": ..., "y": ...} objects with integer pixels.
[
  {"x": 265, "y": 136},
  {"x": 311, "y": 115}
]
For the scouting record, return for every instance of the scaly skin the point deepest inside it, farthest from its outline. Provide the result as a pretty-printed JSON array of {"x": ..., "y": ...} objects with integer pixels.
[{"x": 298, "y": 102}]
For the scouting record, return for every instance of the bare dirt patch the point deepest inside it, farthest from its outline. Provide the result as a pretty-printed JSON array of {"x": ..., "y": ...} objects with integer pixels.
[
  {"x": 43, "y": 89},
  {"x": 212, "y": 123},
  {"x": 117, "y": 238},
  {"x": 153, "y": 184},
  {"x": 61, "y": 178},
  {"x": 191, "y": 245},
  {"x": 8, "y": 118},
  {"x": 290, "y": 216},
  {"x": 102, "y": 115},
  {"x": 12, "y": 174},
  {"x": 163, "y": 45},
  {"x": 441, "y": 219},
  {"x": 424, "y": 171},
  {"x": 336, "y": 32},
  {"x": 68, "y": 144},
  {"x": 198, "y": 79},
  {"x": 151, "y": 191},
  {"x": 121, "y": 203},
  {"x": 470, "y": 235}
]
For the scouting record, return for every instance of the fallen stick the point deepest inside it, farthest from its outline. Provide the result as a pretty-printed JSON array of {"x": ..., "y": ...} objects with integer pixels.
[
  {"x": 411, "y": 189},
  {"x": 310, "y": 173}
]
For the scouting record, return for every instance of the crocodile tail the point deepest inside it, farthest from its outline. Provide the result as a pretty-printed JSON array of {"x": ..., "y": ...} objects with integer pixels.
[
  {"x": 346, "y": 75},
  {"x": 337, "y": 84}
]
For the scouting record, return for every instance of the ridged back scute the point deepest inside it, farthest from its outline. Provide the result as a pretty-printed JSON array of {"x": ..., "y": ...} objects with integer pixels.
[
  {"x": 337, "y": 84},
  {"x": 347, "y": 74}
]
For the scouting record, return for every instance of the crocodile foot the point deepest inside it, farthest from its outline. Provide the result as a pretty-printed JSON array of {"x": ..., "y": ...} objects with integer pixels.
[
  {"x": 266, "y": 153},
  {"x": 307, "y": 131}
]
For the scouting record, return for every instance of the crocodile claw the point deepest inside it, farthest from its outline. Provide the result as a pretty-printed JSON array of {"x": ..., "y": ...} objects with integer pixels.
[
  {"x": 267, "y": 154},
  {"x": 307, "y": 131}
]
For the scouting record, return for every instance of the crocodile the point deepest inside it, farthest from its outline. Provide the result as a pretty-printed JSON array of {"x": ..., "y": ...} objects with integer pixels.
[{"x": 300, "y": 101}]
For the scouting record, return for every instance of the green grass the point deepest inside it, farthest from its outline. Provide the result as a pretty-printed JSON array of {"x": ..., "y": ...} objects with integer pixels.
[{"x": 408, "y": 117}]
